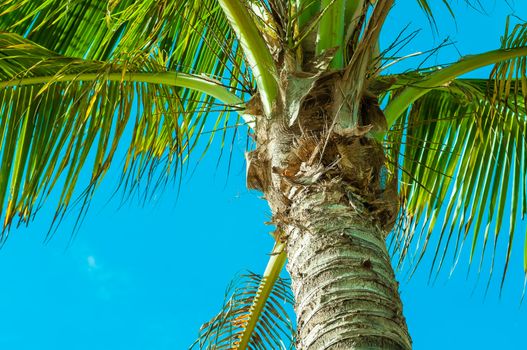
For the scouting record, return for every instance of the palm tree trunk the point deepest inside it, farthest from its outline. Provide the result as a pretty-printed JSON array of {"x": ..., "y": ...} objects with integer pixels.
[
  {"x": 332, "y": 205},
  {"x": 344, "y": 286}
]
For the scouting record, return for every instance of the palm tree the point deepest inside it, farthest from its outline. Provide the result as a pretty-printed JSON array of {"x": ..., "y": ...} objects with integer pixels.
[{"x": 343, "y": 153}]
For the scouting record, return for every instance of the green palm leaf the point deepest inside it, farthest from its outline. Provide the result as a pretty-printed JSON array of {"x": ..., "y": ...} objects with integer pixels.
[
  {"x": 274, "y": 329},
  {"x": 183, "y": 36},
  {"x": 456, "y": 160},
  {"x": 60, "y": 114},
  {"x": 462, "y": 156},
  {"x": 425, "y": 6},
  {"x": 194, "y": 35}
]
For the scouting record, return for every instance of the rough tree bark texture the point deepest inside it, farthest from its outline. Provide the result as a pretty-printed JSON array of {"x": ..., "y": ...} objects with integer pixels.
[
  {"x": 344, "y": 286},
  {"x": 328, "y": 199},
  {"x": 332, "y": 203}
]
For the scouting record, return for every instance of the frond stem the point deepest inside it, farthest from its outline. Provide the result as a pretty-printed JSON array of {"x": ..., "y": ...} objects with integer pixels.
[
  {"x": 444, "y": 76},
  {"x": 189, "y": 81},
  {"x": 271, "y": 274},
  {"x": 255, "y": 49},
  {"x": 331, "y": 31},
  {"x": 207, "y": 86}
]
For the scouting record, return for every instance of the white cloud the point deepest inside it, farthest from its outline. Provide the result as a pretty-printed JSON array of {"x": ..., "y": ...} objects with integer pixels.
[
  {"x": 106, "y": 280},
  {"x": 92, "y": 264}
]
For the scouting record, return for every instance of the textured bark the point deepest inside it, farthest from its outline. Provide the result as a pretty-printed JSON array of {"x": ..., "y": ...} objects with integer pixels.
[
  {"x": 334, "y": 211},
  {"x": 332, "y": 203},
  {"x": 344, "y": 286}
]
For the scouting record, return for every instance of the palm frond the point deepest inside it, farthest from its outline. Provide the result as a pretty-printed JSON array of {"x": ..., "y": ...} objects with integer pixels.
[
  {"x": 415, "y": 84},
  {"x": 508, "y": 77},
  {"x": 461, "y": 149},
  {"x": 60, "y": 114},
  {"x": 425, "y": 6},
  {"x": 463, "y": 161},
  {"x": 274, "y": 329},
  {"x": 258, "y": 56},
  {"x": 186, "y": 36}
]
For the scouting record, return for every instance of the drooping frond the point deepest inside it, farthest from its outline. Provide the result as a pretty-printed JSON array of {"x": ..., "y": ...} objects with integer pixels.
[
  {"x": 60, "y": 115},
  {"x": 274, "y": 330},
  {"x": 461, "y": 149},
  {"x": 457, "y": 161}
]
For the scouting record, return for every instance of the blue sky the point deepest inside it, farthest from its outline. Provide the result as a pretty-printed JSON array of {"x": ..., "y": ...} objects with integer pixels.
[{"x": 147, "y": 276}]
